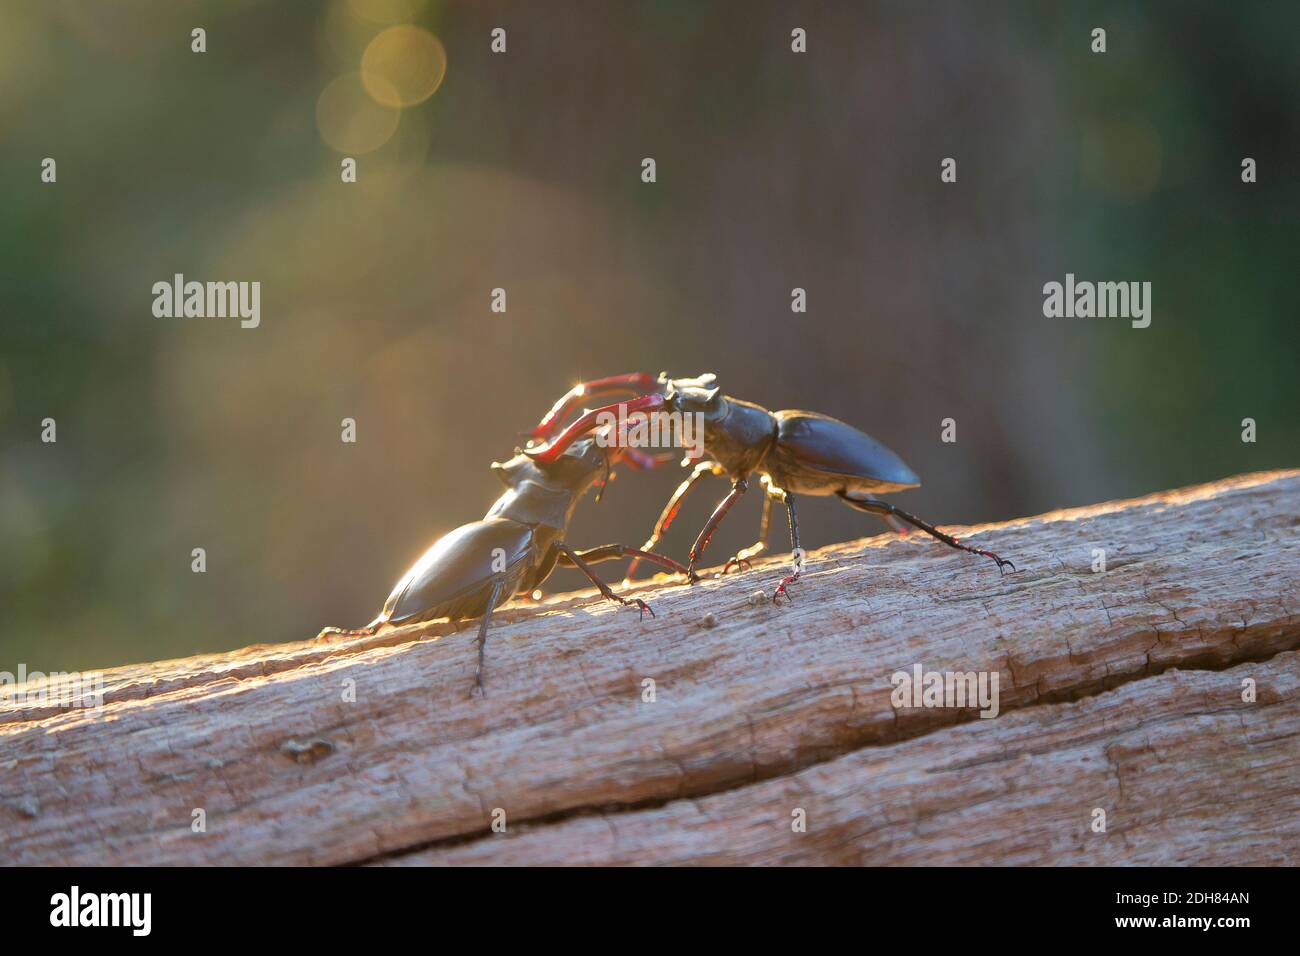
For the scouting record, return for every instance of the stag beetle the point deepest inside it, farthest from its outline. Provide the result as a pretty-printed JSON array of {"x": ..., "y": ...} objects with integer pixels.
[
  {"x": 793, "y": 452},
  {"x": 474, "y": 569}
]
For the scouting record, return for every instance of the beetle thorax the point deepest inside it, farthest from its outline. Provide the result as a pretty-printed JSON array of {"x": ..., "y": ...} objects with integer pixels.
[
  {"x": 547, "y": 494},
  {"x": 738, "y": 435}
]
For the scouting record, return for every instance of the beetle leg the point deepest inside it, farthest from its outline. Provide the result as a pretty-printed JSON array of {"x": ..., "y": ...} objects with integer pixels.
[
  {"x": 796, "y": 570},
  {"x": 741, "y": 559},
  {"x": 497, "y": 587},
  {"x": 697, "y": 549},
  {"x": 895, "y": 525},
  {"x": 612, "y": 552},
  {"x": 585, "y": 568},
  {"x": 878, "y": 507},
  {"x": 670, "y": 511}
]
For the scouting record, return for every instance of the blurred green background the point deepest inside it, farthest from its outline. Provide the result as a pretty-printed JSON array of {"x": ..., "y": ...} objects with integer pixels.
[{"x": 521, "y": 171}]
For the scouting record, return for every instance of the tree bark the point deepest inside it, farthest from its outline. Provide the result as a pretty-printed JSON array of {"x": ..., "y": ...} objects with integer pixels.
[{"x": 1147, "y": 713}]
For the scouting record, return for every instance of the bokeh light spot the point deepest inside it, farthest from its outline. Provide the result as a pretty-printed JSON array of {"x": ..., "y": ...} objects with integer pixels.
[
  {"x": 403, "y": 66},
  {"x": 351, "y": 120},
  {"x": 386, "y": 11}
]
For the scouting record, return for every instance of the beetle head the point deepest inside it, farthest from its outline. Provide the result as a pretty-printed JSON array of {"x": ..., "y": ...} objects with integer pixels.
[
  {"x": 573, "y": 471},
  {"x": 693, "y": 395}
]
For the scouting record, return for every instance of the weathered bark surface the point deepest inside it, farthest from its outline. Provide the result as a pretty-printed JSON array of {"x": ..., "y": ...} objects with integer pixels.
[{"x": 1120, "y": 692}]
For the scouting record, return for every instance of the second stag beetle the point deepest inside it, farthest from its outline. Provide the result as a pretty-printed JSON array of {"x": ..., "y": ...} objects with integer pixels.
[
  {"x": 472, "y": 570},
  {"x": 793, "y": 452}
]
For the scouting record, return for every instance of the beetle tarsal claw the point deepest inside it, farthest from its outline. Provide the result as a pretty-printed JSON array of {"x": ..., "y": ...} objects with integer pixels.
[
  {"x": 1002, "y": 562},
  {"x": 641, "y": 607},
  {"x": 739, "y": 563},
  {"x": 783, "y": 587}
]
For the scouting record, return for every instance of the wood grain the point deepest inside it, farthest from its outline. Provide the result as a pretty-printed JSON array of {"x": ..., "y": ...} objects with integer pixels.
[{"x": 1119, "y": 691}]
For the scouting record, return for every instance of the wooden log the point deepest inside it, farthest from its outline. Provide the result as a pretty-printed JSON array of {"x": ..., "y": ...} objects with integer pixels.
[
  {"x": 1124, "y": 692},
  {"x": 1177, "y": 768}
]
